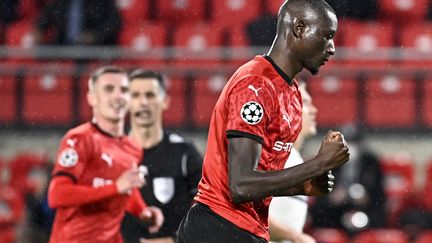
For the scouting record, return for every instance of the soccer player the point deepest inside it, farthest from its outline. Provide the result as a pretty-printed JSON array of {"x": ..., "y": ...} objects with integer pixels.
[
  {"x": 254, "y": 124},
  {"x": 174, "y": 165},
  {"x": 287, "y": 215},
  {"x": 95, "y": 176}
]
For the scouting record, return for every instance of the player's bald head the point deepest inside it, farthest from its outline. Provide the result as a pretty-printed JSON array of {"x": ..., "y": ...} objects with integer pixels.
[{"x": 312, "y": 12}]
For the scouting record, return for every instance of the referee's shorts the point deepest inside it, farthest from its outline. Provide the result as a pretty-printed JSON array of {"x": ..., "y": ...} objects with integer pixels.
[{"x": 202, "y": 225}]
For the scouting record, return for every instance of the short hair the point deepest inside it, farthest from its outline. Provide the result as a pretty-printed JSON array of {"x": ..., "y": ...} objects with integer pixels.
[
  {"x": 104, "y": 70},
  {"x": 148, "y": 74}
]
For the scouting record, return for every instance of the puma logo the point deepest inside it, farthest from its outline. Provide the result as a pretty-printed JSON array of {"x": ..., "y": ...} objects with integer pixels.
[
  {"x": 105, "y": 157},
  {"x": 253, "y": 89},
  {"x": 71, "y": 142},
  {"x": 285, "y": 117}
]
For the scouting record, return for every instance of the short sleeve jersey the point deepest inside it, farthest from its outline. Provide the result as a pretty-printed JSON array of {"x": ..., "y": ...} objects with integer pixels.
[
  {"x": 174, "y": 170},
  {"x": 259, "y": 102},
  {"x": 91, "y": 157}
]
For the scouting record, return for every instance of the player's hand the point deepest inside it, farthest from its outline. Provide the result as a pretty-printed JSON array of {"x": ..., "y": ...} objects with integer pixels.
[
  {"x": 153, "y": 216},
  {"x": 320, "y": 185},
  {"x": 334, "y": 150},
  {"x": 304, "y": 238},
  {"x": 130, "y": 179}
]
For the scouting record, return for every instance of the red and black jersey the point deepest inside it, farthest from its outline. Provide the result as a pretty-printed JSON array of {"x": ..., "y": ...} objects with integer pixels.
[
  {"x": 93, "y": 159},
  {"x": 259, "y": 102}
]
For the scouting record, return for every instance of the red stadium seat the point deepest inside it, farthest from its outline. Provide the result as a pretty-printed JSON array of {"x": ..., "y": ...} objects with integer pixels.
[
  {"x": 424, "y": 237},
  {"x": 328, "y": 93},
  {"x": 329, "y": 235},
  {"x": 25, "y": 169},
  {"x": 381, "y": 236},
  {"x": 367, "y": 39},
  {"x": 390, "y": 102},
  {"x": 427, "y": 103},
  {"x": 48, "y": 99},
  {"x": 28, "y": 10},
  {"x": 237, "y": 38},
  {"x": 416, "y": 42},
  {"x": 144, "y": 38},
  {"x": 398, "y": 184},
  {"x": 85, "y": 111},
  {"x": 11, "y": 214},
  {"x": 235, "y": 12},
  {"x": 180, "y": 10},
  {"x": 20, "y": 34},
  {"x": 8, "y": 99},
  {"x": 207, "y": 91},
  {"x": 176, "y": 113},
  {"x": 403, "y": 11},
  {"x": 133, "y": 12},
  {"x": 197, "y": 38}
]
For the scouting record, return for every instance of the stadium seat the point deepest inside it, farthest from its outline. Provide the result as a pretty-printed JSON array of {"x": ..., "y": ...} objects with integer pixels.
[
  {"x": 424, "y": 237},
  {"x": 8, "y": 99},
  {"x": 381, "y": 236},
  {"x": 207, "y": 91},
  {"x": 28, "y": 10},
  {"x": 47, "y": 100},
  {"x": 390, "y": 102},
  {"x": 24, "y": 169},
  {"x": 427, "y": 103},
  {"x": 416, "y": 42},
  {"x": 366, "y": 40},
  {"x": 175, "y": 116},
  {"x": 11, "y": 214},
  {"x": 403, "y": 11},
  {"x": 20, "y": 34},
  {"x": 329, "y": 235},
  {"x": 328, "y": 93},
  {"x": 176, "y": 11},
  {"x": 85, "y": 112},
  {"x": 143, "y": 37},
  {"x": 196, "y": 39},
  {"x": 235, "y": 12},
  {"x": 133, "y": 12},
  {"x": 398, "y": 184},
  {"x": 237, "y": 38}
]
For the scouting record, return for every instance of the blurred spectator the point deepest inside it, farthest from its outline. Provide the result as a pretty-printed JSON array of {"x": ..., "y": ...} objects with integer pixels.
[
  {"x": 357, "y": 202},
  {"x": 81, "y": 22},
  {"x": 261, "y": 31},
  {"x": 359, "y": 9}
]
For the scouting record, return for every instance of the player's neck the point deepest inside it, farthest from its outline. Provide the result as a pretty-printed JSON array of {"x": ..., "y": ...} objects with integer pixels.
[
  {"x": 147, "y": 137},
  {"x": 299, "y": 143},
  {"x": 282, "y": 58},
  {"x": 114, "y": 128}
]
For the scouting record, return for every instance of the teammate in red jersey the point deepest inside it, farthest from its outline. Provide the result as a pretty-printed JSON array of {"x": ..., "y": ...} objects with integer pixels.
[
  {"x": 254, "y": 124},
  {"x": 95, "y": 176}
]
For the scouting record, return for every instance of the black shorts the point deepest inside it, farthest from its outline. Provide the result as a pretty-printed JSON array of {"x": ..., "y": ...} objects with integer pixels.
[{"x": 202, "y": 225}]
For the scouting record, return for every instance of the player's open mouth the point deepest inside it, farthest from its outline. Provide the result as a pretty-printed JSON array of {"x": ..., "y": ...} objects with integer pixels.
[{"x": 142, "y": 114}]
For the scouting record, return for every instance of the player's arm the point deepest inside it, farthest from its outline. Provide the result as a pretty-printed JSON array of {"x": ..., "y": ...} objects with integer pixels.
[
  {"x": 246, "y": 183},
  {"x": 149, "y": 214},
  {"x": 194, "y": 168},
  {"x": 64, "y": 192}
]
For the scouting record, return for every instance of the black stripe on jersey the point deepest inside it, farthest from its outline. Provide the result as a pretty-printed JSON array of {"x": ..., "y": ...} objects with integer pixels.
[
  {"x": 279, "y": 70},
  {"x": 237, "y": 134},
  {"x": 61, "y": 173}
]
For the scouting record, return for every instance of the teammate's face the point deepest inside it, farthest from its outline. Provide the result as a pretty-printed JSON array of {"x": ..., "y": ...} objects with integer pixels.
[
  {"x": 309, "y": 114},
  {"x": 148, "y": 101},
  {"x": 318, "y": 44},
  {"x": 109, "y": 97}
]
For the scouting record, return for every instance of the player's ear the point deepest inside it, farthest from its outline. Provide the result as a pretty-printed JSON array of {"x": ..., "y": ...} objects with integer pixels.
[
  {"x": 299, "y": 28},
  {"x": 91, "y": 99},
  {"x": 166, "y": 102}
]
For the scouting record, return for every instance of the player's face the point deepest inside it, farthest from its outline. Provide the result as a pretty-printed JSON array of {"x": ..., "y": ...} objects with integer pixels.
[
  {"x": 148, "y": 101},
  {"x": 318, "y": 43},
  {"x": 109, "y": 97},
  {"x": 309, "y": 114}
]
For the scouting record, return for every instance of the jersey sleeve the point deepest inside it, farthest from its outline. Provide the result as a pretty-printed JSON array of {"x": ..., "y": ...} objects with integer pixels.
[
  {"x": 74, "y": 152},
  {"x": 250, "y": 104},
  {"x": 194, "y": 162}
]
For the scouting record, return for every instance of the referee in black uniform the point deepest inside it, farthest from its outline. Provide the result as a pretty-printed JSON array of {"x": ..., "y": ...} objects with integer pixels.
[{"x": 174, "y": 165}]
